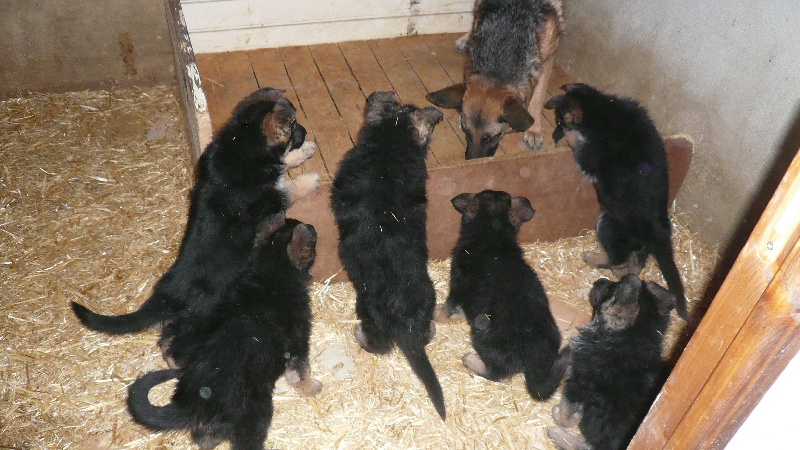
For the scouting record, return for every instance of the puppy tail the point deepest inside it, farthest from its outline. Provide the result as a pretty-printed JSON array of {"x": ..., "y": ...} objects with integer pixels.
[
  {"x": 665, "y": 259},
  {"x": 156, "y": 418},
  {"x": 414, "y": 351},
  {"x": 542, "y": 384},
  {"x": 153, "y": 311}
]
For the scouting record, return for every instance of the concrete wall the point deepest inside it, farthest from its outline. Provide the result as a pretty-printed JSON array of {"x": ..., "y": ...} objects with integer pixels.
[
  {"x": 726, "y": 73},
  {"x": 61, "y": 45}
]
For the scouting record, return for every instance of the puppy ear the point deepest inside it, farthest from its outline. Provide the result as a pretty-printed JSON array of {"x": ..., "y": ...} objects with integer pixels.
[
  {"x": 424, "y": 121},
  {"x": 628, "y": 289},
  {"x": 665, "y": 299},
  {"x": 269, "y": 226},
  {"x": 555, "y": 101},
  {"x": 302, "y": 248},
  {"x": 515, "y": 114},
  {"x": 381, "y": 105},
  {"x": 569, "y": 87},
  {"x": 450, "y": 97},
  {"x": 461, "y": 202},
  {"x": 521, "y": 210}
]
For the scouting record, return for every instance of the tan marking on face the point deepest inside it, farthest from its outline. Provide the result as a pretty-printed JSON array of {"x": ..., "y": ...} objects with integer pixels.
[
  {"x": 619, "y": 316},
  {"x": 485, "y": 101}
]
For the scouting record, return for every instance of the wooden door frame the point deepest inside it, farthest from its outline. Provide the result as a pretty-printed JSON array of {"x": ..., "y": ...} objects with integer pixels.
[{"x": 748, "y": 336}]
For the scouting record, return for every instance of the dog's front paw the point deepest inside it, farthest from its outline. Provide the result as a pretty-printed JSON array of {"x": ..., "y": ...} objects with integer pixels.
[
  {"x": 443, "y": 314},
  {"x": 565, "y": 440},
  {"x": 301, "y": 186},
  {"x": 534, "y": 140},
  {"x": 309, "y": 387},
  {"x": 299, "y": 155},
  {"x": 461, "y": 43},
  {"x": 474, "y": 363}
]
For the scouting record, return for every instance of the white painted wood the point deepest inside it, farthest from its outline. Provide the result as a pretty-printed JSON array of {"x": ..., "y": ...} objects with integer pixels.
[{"x": 228, "y": 25}]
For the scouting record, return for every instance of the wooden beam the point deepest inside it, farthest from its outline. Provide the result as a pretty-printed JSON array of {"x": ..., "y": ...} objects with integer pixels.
[{"x": 750, "y": 313}]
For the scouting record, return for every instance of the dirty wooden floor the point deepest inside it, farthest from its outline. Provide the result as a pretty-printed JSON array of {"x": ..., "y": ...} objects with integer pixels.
[{"x": 329, "y": 84}]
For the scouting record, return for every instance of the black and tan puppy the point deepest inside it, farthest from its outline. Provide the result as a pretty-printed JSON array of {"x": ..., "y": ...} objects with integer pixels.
[
  {"x": 229, "y": 361},
  {"x": 379, "y": 203},
  {"x": 509, "y": 59},
  {"x": 618, "y": 148},
  {"x": 615, "y": 367},
  {"x": 505, "y": 304},
  {"x": 241, "y": 180}
]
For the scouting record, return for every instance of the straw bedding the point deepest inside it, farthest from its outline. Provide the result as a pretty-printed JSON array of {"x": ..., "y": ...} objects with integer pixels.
[{"x": 93, "y": 199}]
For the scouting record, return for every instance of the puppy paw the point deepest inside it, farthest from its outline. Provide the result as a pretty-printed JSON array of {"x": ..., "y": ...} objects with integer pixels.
[
  {"x": 474, "y": 363},
  {"x": 306, "y": 387},
  {"x": 431, "y": 331},
  {"x": 461, "y": 43},
  {"x": 534, "y": 140},
  {"x": 443, "y": 314},
  {"x": 301, "y": 186},
  {"x": 299, "y": 155},
  {"x": 565, "y": 440},
  {"x": 309, "y": 387},
  {"x": 597, "y": 260}
]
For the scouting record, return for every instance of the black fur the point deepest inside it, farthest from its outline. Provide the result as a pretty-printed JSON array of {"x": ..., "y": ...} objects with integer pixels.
[
  {"x": 617, "y": 146},
  {"x": 379, "y": 200},
  {"x": 615, "y": 368},
  {"x": 229, "y": 361},
  {"x": 239, "y": 184},
  {"x": 512, "y": 328}
]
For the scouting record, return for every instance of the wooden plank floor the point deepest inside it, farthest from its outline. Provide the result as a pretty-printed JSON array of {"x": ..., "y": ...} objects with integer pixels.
[{"x": 329, "y": 84}]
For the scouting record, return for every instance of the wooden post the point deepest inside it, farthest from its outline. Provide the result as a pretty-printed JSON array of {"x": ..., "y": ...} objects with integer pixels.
[{"x": 747, "y": 337}]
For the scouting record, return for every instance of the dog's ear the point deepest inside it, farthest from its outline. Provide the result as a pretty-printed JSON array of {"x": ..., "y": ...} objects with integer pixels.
[
  {"x": 302, "y": 248},
  {"x": 555, "y": 102},
  {"x": 450, "y": 97},
  {"x": 424, "y": 121},
  {"x": 521, "y": 211},
  {"x": 269, "y": 226},
  {"x": 515, "y": 115},
  {"x": 461, "y": 202},
  {"x": 665, "y": 299},
  {"x": 569, "y": 87},
  {"x": 381, "y": 105}
]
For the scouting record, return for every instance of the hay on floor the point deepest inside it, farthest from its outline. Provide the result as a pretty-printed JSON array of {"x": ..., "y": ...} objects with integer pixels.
[{"x": 93, "y": 199}]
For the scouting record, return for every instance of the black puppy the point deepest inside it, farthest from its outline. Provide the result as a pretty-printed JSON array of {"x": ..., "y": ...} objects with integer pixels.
[
  {"x": 378, "y": 200},
  {"x": 616, "y": 146},
  {"x": 241, "y": 180},
  {"x": 501, "y": 297},
  {"x": 615, "y": 368},
  {"x": 229, "y": 361}
]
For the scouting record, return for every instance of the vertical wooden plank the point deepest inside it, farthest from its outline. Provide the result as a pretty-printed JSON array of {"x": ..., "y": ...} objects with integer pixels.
[
  {"x": 766, "y": 343},
  {"x": 754, "y": 270},
  {"x": 432, "y": 75},
  {"x": 237, "y": 77},
  {"x": 329, "y": 129},
  {"x": 270, "y": 72},
  {"x": 214, "y": 90},
  {"x": 365, "y": 67},
  {"x": 342, "y": 85}
]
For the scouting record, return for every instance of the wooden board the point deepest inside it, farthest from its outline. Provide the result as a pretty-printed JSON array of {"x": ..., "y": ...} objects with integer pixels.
[{"x": 747, "y": 337}]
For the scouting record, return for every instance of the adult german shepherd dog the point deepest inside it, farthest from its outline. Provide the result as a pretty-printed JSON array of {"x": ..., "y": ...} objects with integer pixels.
[
  {"x": 241, "y": 180},
  {"x": 509, "y": 59}
]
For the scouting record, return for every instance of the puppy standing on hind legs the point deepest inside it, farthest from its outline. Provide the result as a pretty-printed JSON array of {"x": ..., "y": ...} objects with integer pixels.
[
  {"x": 241, "y": 179},
  {"x": 379, "y": 203},
  {"x": 511, "y": 326},
  {"x": 509, "y": 59},
  {"x": 617, "y": 147},
  {"x": 229, "y": 361}
]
